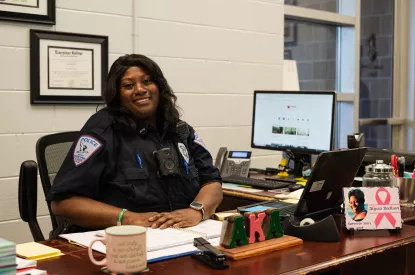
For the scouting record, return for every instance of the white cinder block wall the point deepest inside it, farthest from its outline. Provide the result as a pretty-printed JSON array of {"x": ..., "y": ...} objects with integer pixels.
[{"x": 214, "y": 53}]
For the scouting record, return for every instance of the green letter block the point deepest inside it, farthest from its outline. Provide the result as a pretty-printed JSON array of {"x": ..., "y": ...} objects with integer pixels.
[
  {"x": 274, "y": 227},
  {"x": 238, "y": 233}
]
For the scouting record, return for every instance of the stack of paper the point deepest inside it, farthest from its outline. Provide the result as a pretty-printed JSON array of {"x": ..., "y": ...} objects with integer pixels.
[
  {"x": 28, "y": 267},
  {"x": 161, "y": 244},
  {"x": 7, "y": 257},
  {"x": 33, "y": 271}
]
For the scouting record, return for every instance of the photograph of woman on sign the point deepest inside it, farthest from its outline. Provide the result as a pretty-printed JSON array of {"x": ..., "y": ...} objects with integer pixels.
[{"x": 357, "y": 205}]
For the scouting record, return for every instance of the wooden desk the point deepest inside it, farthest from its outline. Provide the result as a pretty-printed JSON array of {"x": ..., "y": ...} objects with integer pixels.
[
  {"x": 363, "y": 253},
  {"x": 234, "y": 199}
]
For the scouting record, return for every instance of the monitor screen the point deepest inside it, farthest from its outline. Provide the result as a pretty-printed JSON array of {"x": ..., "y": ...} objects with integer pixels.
[{"x": 295, "y": 121}]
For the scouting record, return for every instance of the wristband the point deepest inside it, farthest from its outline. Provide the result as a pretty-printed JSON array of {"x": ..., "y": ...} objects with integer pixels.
[{"x": 119, "y": 222}]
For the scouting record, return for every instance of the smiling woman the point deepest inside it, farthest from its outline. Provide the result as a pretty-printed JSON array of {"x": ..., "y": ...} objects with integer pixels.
[
  {"x": 135, "y": 77},
  {"x": 140, "y": 94},
  {"x": 357, "y": 204},
  {"x": 136, "y": 160}
]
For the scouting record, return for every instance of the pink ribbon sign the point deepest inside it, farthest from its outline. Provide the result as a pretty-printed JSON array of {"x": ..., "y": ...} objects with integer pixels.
[{"x": 387, "y": 200}]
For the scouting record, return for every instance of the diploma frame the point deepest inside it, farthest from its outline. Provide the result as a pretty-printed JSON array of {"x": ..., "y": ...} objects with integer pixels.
[
  {"x": 33, "y": 12},
  {"x": 77, "y": 81}
]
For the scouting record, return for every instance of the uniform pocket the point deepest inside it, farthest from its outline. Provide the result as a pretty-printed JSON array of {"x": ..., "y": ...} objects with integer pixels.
[
  {"x": 193, "y": 172},
  {"x": 131, "y": 174},
  {"x": 129, "y": 182},
  {"x": 190, "y": 186}
]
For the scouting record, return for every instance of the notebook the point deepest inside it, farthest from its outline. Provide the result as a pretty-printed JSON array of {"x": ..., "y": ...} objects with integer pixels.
[
  {"x": 36, "y": 251},
  {"x": 157, "y": 239}
]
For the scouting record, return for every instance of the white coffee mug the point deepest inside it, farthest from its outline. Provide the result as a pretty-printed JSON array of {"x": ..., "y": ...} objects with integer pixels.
[{"x": 126, "y": 249}]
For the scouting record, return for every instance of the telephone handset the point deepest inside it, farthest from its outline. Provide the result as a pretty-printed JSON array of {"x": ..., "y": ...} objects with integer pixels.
[{"x": 233, "y": 163}]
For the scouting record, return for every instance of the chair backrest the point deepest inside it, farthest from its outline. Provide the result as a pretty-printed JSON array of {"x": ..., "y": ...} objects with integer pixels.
[{"x": 51, "y": 151}]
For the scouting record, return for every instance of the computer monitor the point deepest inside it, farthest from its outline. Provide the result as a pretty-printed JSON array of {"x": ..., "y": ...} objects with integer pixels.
[{"x": 300, "y": 123}]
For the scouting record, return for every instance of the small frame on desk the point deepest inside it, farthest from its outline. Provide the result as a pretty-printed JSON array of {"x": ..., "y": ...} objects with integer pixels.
[
  {"x": 67, "y": 68},
  {"x": 32, "y": 11},
  {"x": 372, "y": 208}
]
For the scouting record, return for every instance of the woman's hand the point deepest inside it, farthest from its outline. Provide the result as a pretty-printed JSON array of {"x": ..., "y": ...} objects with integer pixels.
[
  {"x": 179, "y": 218},
  {"x": 132, "y": 218}
]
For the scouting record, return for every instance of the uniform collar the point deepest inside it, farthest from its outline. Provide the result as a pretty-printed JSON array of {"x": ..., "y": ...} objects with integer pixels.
[{"x": 126, "y": 118}]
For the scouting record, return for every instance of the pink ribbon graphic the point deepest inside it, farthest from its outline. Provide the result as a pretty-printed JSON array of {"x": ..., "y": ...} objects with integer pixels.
[{"x": 380, "y": 216}]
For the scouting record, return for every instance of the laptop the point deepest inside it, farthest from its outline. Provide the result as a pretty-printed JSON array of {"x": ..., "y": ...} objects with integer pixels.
[{"x": 323, "y": 192}]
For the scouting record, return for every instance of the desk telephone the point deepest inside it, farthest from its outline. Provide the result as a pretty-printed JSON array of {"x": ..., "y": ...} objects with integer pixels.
[{"x": 233, "y": 163}]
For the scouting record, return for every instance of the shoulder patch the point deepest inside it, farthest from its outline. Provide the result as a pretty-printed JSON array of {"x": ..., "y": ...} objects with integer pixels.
[
  {"x": 183, "y": 151},
  {"x": 85, "y": 148},
  {"x": 199, "y": 141}
]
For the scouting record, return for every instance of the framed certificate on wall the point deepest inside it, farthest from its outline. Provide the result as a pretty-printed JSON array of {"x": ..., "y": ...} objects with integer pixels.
[
  {"x": 67, "y": 67},
  {"x": 33, "y": 11}
]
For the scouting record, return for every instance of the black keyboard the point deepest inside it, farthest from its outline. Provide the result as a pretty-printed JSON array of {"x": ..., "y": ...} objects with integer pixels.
[
  {"x": 288, "y": 211},
  {"x": 259, "y": 183}
]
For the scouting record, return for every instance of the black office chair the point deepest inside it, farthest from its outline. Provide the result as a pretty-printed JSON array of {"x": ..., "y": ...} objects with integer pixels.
[
  {"x": 51, "y": 151},
  {"x": 28, "y": 198}
]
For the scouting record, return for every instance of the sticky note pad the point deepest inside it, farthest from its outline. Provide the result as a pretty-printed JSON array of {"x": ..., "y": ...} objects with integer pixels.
[{"x": 36, "y": 251}]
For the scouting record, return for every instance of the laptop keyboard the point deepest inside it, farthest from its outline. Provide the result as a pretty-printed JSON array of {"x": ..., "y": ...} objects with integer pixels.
[
  {"x": 288, "y": 210},
  {"x": 259, "y": 183}
]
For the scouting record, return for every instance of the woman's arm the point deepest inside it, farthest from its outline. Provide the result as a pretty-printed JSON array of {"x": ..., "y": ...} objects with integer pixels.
[
  {"x": 93, "y": 214},
  {"x": 210, "y": 195}
]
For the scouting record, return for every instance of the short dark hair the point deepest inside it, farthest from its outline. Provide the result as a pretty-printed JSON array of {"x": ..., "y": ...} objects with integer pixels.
[
  {"x": 360, "y": 197},
  {"x": 167, "y": 108}
]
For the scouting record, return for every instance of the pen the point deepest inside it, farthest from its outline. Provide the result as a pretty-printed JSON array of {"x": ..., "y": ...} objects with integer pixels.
[
  {"x": 139, "y": 160},
  {"x": 401, "y": 166},
  {"x": 394, "y": 164},
  {"x": 186, "y": 166}
]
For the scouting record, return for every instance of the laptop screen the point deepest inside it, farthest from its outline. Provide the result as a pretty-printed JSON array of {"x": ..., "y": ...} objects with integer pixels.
[{"x": 332, "y": 171}]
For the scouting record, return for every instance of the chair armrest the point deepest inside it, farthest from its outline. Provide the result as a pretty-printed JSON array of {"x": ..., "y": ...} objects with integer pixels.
[{"x": 28, "y": 197}]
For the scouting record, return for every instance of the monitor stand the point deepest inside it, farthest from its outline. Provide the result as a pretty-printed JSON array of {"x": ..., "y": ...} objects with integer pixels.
[{"x": 299, "y": 161}]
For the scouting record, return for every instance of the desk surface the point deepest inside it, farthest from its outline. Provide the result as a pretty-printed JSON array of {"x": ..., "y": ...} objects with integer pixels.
[
  {"x": 233, "y": 199},
  {"x": 309, "y": 257}
]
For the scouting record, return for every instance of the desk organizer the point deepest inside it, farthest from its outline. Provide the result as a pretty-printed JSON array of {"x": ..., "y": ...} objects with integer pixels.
[{"x": 324, "y": 230}]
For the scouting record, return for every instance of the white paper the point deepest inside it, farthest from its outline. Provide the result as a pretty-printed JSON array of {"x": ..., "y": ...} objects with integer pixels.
[
  {"x": 293, "y": 195},
  {"x": 32, "y": 272},
  {"x": 23, "y": 3},
  {"x": 237, "y": 187},
  {"x": 85, "y": 239},
  {"x": 176, "y": 251},
  {"x": 23, "y": 263},
  {"x": 70, "y": 68},
  {"x": 25, "y": 6},
  {"x": 157, "y": 239},
  {"x": 44, "y": 48}
]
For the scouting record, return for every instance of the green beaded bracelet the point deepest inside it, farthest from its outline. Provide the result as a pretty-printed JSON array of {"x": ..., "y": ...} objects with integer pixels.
[{"x": 120, "y": 216}]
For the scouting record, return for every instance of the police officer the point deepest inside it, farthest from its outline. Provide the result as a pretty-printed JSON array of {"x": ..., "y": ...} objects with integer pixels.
[{"x": 135, "y": 162}]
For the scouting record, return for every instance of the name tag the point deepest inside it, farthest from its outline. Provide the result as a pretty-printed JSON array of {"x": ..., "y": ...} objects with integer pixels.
[{"x": 372, "y": 208}]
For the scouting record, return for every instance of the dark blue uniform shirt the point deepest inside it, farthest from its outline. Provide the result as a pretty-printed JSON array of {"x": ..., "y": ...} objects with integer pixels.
[{"x": 113, "y": 162}]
